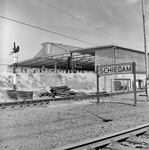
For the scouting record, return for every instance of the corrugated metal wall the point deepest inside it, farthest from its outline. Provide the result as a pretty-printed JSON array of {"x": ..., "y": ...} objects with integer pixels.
[
  {"x": 104, "y": 57},
  {"x": 117, "y": 55}
]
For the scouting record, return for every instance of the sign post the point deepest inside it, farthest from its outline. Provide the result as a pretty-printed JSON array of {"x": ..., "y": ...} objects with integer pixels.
[
  {"x": 97, "y": 84},
  {"x": 134, "y": 87},
  {"x": 124, "y": 68}
]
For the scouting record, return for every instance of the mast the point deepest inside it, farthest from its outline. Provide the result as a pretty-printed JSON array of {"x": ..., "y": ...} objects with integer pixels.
[{"x": 145, "y": 49}]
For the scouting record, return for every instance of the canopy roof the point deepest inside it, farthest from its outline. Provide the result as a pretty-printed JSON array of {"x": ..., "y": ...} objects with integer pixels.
[{"x": 58, "y": 54}]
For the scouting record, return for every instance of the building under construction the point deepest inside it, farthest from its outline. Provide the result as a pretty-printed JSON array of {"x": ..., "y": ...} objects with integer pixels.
[{"x": 64, "y": 58}]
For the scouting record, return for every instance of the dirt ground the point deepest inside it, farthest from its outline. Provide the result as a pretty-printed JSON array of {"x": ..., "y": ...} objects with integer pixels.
[{"x": 62, "y": 123}]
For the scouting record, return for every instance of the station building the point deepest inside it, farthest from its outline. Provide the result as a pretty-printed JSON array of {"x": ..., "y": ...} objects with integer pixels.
[
  {"x": 58, "y": 56},
  {"x": 65, "y": 58}
]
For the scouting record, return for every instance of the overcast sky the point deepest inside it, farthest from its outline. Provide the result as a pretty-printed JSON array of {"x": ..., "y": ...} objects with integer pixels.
[{"x": 111, "y": 22}]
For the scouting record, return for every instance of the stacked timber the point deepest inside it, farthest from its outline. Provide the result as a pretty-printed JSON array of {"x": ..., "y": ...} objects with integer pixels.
[{"x": 63, "y": 91}]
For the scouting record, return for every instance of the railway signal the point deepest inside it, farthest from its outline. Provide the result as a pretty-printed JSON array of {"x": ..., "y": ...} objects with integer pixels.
[{"x": 15, "y": 59}]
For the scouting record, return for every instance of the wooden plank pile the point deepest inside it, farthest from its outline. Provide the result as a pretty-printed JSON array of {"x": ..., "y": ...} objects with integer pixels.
[{"x": 63, "y": 91}]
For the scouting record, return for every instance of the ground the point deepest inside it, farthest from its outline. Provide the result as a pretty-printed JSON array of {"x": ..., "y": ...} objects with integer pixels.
[{"x": 62, "y": 123}]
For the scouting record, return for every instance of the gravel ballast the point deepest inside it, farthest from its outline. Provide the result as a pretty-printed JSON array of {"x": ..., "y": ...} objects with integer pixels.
[{"x": 62, "y": 123}]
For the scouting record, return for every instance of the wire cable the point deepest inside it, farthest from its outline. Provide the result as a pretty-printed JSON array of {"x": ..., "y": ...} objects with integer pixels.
[
  {"x": 87, "y": 23},
  {"x": 33, "y": 26}
]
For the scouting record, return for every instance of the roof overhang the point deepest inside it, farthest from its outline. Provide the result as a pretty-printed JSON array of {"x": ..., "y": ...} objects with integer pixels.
[
  {"x": 82, "y": 58},
  {"x": 81, "y": 61}
]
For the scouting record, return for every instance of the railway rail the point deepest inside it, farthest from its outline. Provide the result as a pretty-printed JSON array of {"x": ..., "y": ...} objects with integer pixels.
[
  {"x": 43, "y": 101},
  {"x": 131, "y": 139}
]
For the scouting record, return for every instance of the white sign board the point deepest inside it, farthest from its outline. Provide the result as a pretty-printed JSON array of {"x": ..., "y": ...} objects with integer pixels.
[{"x": 115, "y": 69}]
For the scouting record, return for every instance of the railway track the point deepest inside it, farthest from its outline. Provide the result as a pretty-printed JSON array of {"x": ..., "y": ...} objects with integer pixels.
[
  {"x": 46, "y": 101},
  {"x": 132, "y": 139}
]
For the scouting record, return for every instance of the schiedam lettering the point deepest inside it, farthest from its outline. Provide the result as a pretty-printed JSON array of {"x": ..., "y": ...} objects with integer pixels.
[{"x": 115, "y": 69}]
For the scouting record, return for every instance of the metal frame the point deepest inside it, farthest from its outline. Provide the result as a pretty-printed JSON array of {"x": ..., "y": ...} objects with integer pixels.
[
  {"x": 133, "y": 64},
  {"x": 80, "y": 55}
]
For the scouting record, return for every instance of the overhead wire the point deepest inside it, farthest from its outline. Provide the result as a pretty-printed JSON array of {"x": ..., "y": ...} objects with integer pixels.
[
  {"x": 68, "y": 15},
  {"x": 63, "y": 34},
  {"x": 88, "y": 23},
  {"x": 33, "y": 26}
]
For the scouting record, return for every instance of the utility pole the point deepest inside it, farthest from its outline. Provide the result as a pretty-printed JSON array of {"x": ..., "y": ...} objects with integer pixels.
[{"x": 145, "y": 49}]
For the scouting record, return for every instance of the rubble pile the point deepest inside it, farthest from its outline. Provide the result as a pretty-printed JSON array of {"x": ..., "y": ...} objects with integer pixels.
[
  {"x": 63, "y": 91},
  {"x": 46, "y": 93}
]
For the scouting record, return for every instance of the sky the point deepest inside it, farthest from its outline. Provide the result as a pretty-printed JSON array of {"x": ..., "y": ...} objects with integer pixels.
[{"x": 98, "y": 22}]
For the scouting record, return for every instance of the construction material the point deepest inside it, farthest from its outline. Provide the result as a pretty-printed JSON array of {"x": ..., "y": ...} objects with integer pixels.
[{"x": 62, "y": 91}]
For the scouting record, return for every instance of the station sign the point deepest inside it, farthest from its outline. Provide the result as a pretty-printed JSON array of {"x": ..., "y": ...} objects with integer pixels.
[
  {"x": 115, "y": 69},
  {"x": 123, "y": 68}
]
